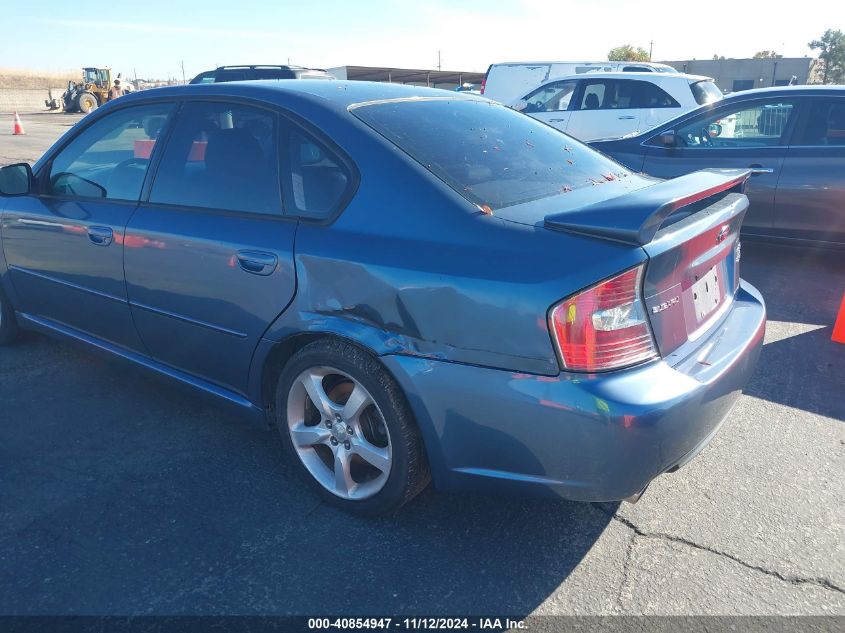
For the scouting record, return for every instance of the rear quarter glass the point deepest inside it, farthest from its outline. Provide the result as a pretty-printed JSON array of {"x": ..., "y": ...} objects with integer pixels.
[{"x": 491, "y": 155}]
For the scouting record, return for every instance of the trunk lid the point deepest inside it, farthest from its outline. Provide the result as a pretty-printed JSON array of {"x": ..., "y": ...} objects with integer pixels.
[{"x": 689, "y": 227}]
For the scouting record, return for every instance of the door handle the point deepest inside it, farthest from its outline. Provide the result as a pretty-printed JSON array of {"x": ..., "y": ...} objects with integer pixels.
[
  {"x": 627, "y": 118},
  {"x": 556, "y": 120},
  {"x": 256, "y": 262},
  {"x": 100, "y": 235},
  {"x": 756, "y": 170}
]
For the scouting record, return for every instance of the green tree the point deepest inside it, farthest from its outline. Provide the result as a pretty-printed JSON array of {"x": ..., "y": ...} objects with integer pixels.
[
  {"x": 832, "y": 56},
  {"x": 718, "y": 58},
  {"x": 766, "y": 55},
  {"x": 628, "y": 53}
]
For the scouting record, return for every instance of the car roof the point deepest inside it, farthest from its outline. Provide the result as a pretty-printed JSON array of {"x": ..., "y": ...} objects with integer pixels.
[
  {"x": 785, "y": 91},
  {"x": 333, "y": 95},
  {"x": 265, "y": 67},
  {"x": 622, "y": 74},
  {"x": 534, "y": 63}
]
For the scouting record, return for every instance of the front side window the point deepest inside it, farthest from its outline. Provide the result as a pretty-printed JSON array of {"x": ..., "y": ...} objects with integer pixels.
[
  {"x": 825, "y": 123},
  {"x": 109, "y": 159},
  {"x": 220, "y": 156},
  {"x": 760, "y": 125},
  {"x": 608, "y": 94},
  {"x": 553, "y": 97},
  {"x": 491, "y": 155}
]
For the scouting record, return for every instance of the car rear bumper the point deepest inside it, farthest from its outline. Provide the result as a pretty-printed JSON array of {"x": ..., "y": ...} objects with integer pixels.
[{"x": 597, "y": 437}]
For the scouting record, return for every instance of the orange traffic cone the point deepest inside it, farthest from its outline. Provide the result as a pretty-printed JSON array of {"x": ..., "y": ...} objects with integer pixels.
[
  {"x": 839, "y": 327},
  {"x": 18, "y": 125}
]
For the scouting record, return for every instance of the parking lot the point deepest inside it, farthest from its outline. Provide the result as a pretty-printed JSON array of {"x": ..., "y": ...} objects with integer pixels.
[{"x": 121, "y": 493}]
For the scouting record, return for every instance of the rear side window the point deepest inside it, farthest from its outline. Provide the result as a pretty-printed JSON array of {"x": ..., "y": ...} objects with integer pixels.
[
  {"x": 220, "y": 156},
  {"x": 315, "y": 181},
  {"x": 825, "y": 123},
  {"x": 110, "y": 158},
  {"x": 493, "y": 156},
  {"x": 705, "y": 92},
  {"x": 612, "y": 94},
  {"x": 649, "y": 95}
]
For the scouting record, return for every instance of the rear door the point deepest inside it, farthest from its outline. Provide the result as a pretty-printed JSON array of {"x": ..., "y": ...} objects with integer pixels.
[
  {"x": 808, "y": 202},
  {"x": 655, "y": 105},
  {"x": 209, "y": 256},
  {"x": 550, "y": 103},
  {"x": 748, "y": 134},
  {"x": 603, "y": 108}
]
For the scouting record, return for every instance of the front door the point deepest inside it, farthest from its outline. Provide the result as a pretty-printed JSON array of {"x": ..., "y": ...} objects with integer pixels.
[
  {"x": 209, "y": 257},
  {"x": 748, "y": 135},
  {"x": 810, "y": 193},
  {"x": 64, "y": 244}
]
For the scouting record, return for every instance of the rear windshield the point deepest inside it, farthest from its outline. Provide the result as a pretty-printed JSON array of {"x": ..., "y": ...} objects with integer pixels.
[
  {"x": 705, "y": 92},
  {"x": 493, "y": 156}
]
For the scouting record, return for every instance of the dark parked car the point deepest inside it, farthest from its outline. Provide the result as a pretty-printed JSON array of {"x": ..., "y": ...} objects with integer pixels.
[
  {"x": 256, "y": 72},
  {"x": 792, "y": 139},
  {"x": 408, "y": 283}
]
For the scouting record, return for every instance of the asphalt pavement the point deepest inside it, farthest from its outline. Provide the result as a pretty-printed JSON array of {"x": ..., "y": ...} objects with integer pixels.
[{"x": 121, "y": 493}]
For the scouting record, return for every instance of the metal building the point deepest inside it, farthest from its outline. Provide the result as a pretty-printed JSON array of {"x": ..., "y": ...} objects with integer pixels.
[{"x": 733, "y": 75}]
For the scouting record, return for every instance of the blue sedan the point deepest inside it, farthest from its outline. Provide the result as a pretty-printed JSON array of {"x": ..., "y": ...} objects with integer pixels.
[{"x": 409, "y": 284}]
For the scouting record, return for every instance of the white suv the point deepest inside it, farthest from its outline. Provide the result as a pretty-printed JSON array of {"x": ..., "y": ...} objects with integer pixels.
[{"x": 609, "y": 105}]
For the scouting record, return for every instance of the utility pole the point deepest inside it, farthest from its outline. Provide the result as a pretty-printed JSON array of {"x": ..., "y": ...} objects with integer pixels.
[
  {"x": 183, "y": 73},
  {"x": 438, "y": 60},
  {"x": 650, "y": 49}
]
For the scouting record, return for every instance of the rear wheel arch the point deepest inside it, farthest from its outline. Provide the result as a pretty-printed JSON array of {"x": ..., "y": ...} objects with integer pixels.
[{"x": 285, "y": 349}]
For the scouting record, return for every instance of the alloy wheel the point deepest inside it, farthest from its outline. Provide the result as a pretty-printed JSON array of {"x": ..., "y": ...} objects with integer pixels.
[{"x": 339, "y": 433}]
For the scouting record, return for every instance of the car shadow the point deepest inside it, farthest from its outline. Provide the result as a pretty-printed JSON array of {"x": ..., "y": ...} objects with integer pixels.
[
  {"x": 799, "y": 366},
  {"x": 122, "y": 494}
]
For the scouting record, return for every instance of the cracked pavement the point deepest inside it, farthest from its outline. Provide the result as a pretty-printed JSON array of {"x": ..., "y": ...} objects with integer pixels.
[{"x": 123, "y": 494}]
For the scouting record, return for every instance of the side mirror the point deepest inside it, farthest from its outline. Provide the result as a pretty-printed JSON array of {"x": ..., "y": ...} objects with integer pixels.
[
  {"x": 16, "y": 180},
  {"x": 669, "y": 138}
]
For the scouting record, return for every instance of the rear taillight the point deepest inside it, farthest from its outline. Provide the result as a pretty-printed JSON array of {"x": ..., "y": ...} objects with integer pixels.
[
  {"x": 483, "y": 84},
  {"x": 603, "y": 327}
]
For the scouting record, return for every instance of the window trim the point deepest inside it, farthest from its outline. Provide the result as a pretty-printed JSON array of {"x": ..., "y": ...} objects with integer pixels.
[{"x": 42, "y": 175}]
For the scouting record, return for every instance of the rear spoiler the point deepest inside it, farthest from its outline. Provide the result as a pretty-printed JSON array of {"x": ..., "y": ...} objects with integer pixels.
[{"x": 636, "y": 217}]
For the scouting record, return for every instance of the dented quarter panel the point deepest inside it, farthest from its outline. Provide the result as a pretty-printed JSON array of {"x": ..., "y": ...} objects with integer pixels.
[{"x": 410, "y": 267}]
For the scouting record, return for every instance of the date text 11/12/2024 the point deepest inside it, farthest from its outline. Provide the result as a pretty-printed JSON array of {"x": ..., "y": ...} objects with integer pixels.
[{"x": 416, "y": 623}]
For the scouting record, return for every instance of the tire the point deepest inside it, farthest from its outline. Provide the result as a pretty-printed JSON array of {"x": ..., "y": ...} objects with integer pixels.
[
  {"x": 370, "y": 458},
  {"x": 87, "y": 103},
  {"x": 8, "y": 324}
]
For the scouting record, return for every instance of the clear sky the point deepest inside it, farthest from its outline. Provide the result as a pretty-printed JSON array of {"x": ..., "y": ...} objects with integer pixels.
[{"x": 155, "y": 36}]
